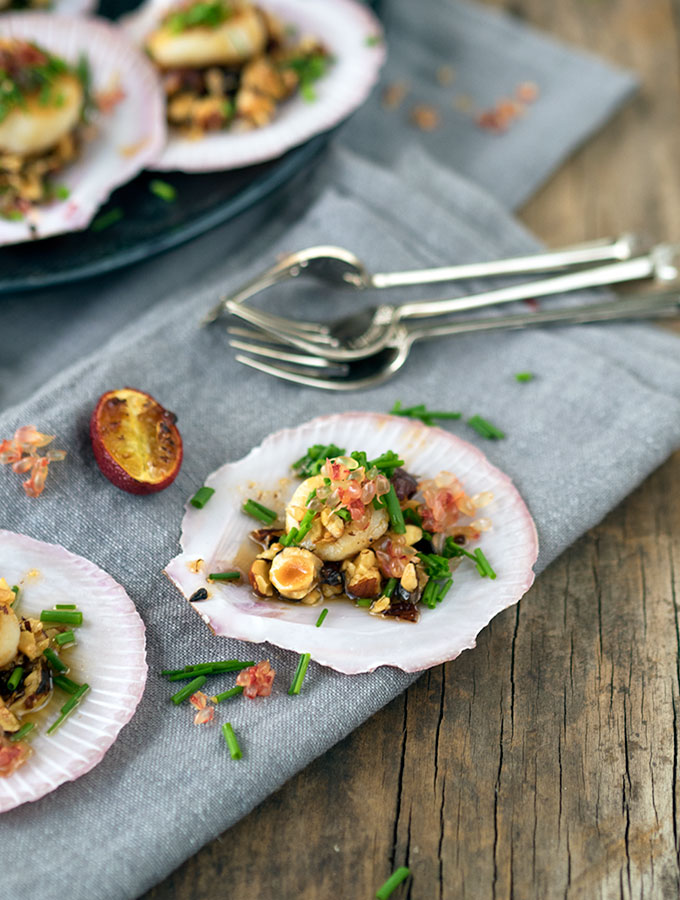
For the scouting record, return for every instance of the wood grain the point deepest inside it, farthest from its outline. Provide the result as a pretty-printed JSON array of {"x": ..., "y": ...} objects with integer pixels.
[{"x": 545, "y": 763}]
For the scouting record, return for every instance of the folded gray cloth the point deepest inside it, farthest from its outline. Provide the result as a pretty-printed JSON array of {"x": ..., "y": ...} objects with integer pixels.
[
  {"x": 602, "y": 412},
  {"x": 491, "y": 54}
]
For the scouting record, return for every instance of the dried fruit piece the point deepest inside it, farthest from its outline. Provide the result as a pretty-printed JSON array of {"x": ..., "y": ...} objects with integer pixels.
[{"x": 135, "y": 441}]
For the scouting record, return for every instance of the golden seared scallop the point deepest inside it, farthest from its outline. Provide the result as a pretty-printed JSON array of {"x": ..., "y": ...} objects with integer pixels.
[
  {"x": 295, "y": 572},
  {"x": 9, "y": 635},
  {"x": 326, "y": 546},
  {"x": 220, "y": 34},
  {"x": 40, "y": 123}
]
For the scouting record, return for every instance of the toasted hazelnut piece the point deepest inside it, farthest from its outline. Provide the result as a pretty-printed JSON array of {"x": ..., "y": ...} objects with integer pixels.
[
  {"x": 362, "y": 575},
  {"x": 32, "y": 639},
  {"x": 331, "y": 590},
  {"x": 312, "y": 597},
  {"x": 412, "y": 535},
  {"x": 270, "y": 552},
  {"x": 294, "y": 572},
  {"x": 380, "y": 605},
  {"x": 259, "y": 578},
  {"x": 409, "y": 578}
]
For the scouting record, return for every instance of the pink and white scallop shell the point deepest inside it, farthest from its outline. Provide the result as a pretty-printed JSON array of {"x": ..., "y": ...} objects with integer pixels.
[
  {"x": 128, "y": 137},
  {"x": 351, "y": 640},
  {"x": 352, "y": 35},
  {"x": 73, "y": 7},
  {"x": 110, "y": 656}
]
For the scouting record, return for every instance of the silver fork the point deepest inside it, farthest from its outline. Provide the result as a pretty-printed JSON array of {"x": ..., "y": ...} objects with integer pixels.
[
  {"x": 340, "y": 267},
  {"x": 318, "y": 372},
  {"x": 368, "y": 331}
]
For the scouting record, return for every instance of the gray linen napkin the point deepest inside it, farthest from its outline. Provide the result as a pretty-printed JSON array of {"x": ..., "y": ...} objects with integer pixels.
[
  {"x": 603, "y": 411},
  {"x": 490, "y": 52}
]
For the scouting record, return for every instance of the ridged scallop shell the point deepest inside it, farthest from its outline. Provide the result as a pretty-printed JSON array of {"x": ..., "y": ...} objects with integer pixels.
[
  {"x": 73, "y": 7},
  {"x": 128, "y": 138},
  {"x": 350, "y": 32},
  {"x": 110, "y": 656},
  {"x": 350, "y": 639}
]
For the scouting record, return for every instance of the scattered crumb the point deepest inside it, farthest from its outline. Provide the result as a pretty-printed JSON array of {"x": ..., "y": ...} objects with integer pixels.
[
  {"x": 446, "y": 75},
  {"x": 394, "y": 94},
  {"x": 527, "y": 92},
  {"x": 195, "y": 566},
  {"x": 425, "y": 117},
  {"x": 133, "y": 149},
  {"x": 507, "y": 110}
]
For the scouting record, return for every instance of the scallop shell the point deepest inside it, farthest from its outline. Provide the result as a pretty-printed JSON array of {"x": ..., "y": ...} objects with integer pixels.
[
  {"x": 128, "y": 138},
  {"x": 353, "y": 37},
  {"x": 73, "y": 7},
  {"x": 350, "y": 640},
  {"x": 110, "y": 656}
]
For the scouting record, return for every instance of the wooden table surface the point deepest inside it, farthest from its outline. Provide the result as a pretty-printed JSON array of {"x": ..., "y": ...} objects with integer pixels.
[{"x": 545, "y": 762}]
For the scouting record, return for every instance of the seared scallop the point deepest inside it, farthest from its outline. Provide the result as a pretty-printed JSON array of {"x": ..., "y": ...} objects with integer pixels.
[
  {"x": 38, "y": 124},
  {"x": 295, "y": 572},
  {"x": 9, "y": 635},
  {"x": 240, "y": 37}
]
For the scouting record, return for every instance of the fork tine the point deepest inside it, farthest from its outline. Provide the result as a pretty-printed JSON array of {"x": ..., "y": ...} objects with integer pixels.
[
  {"x": 297, "y": 377},
  {"x": 300, "y": 359}
]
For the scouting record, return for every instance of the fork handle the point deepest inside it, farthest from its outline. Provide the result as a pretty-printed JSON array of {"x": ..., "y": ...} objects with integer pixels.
[
  {"x": 639, "y": 306},
  {"x": 659, "y": 262},
  {"x": 604, "y": 250}
]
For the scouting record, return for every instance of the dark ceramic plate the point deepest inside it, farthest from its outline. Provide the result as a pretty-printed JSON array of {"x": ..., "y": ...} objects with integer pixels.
[{"x": 149, "y": 224}]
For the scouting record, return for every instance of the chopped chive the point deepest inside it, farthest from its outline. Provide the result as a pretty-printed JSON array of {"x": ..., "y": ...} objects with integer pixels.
[
  {"x": 163, "y": 190},
  {"x": 61, "y": 192},
  {"x": 66, "y": 684},
  {"x": 311, "y": 496},
  {"x": 232, "y": 743},
  {"x": 65, "y": 606},
  {"x": 69, "y": 706},
  {"x": 106, "y": 220},
  {"x": 319, "y": 621},
  {"x": 395, "y": 879},
  {"x": 524, "y": 376},
  {"x": 227, "y": 695},
  {"x": 429, "y": 595},
  {"x": 224, "y": 576},
  {"x": 300, "y": 673},
  {"x": 66, "y": 637},
  {"x": 394, "y": 510},
  {"x": 373, "y": 40},
  {"x": 287, "y": 539},
  {"x": 201, "y": 497},
  {"x": 363, "y": 601},
  {"x": 444, "y": 589},
  {"x": 344, "y": 514},
  {"x": 388, "y": 590},
  {"x": 62, "y": 616},
  {"x": 426, "y": 416},
  {"x": 259, "y": 512},
  {"x": 410, "y": 515},
  {"x": 22, "y": 732},
  {"x": 210, "y": 668},
  {"x": 435, "y": 566},
  {"x": 15, "y": 590},
  {"x": 15, "y": 678},
  {"x": 53, "y": 659},
  {"x": 305, "y": 525},
  {"x": 486, "y": 429},
  {"x": 483, "y": 562},
  {"x": 188, "y": 690}
]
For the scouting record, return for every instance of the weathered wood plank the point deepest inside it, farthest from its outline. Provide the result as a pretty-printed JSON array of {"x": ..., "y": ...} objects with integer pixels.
[{"x": 545, "y": 763}]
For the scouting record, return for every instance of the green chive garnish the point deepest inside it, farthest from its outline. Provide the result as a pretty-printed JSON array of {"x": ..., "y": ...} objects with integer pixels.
[
  {"x": 287, "y": 539},
  {"x": 300, "y": 673},
  {"x": 297, "y": 534},
  {"x": 344, "y": 514},
  {"x": 22, "y": 732},
  {"x": 363, "y": 601},
  {"x": 188, "y": 690},
  {"x": 66, "y": 684},
  {"x": 201, "y": 497},
  {"x": 163, "y": 190},
  {"x": 66, "y": 637},
  {"x": 52, "y": 658},
  {"x": 69, "y": 706},
  {"x": 215, "y": 668},
  {"x": 410, "y": 515},
  {"x": 227, "y": 695},
  {"x": 15, "y": 678},
  {"x": 392, "y": 882},
  {"x": 62, "y": 616},
  {"x": 224, "y": 576},
  {"x": 429, "y": 595},
  {"x": 65, "y": 606},
  {"x": 444, "y": 589},
  {"x": 106, "y": 220},
  {"x": 486, "y": 429},
  {"x": 232, "y": 743},
  {"x": 483, "y": 565},
  {"x": 259, "y": 512},
  {"x": 524, "y": 376},
  {"x": 426, "y": 416},
  {"x": 389, "y": 588},
  {"x": 394, "y": 510},
  {"x": 15, "y": 589},
  {"x": 61, "y": 192},
  {"x": 319, "y": 621}
]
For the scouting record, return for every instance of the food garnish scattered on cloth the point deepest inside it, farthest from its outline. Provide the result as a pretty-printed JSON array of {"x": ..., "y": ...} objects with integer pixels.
[
  {"x": 21, "y": 453},
  {"x": 381, "y": 528},
  {"x": 68, "y": 633},
  {"x": 135, "y": 441},
  {"x": 230, "y": 63}
]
